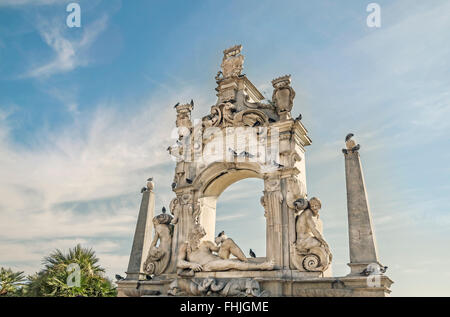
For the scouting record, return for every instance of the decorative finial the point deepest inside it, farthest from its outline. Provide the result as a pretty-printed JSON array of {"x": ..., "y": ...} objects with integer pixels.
[
  {"x": 232, "y": 62},
  {"x": 283, "y": 96},
  {"x": 281, "y": 81},
  {"x": 184, "y": 114}
]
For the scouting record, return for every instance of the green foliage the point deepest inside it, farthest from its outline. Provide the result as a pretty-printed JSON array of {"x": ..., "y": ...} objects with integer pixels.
[
  {"x": 53, "y": 279},
  {"x": 11, "y": 283}
]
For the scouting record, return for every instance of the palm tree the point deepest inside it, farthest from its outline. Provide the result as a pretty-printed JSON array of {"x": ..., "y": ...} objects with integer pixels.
[
  {"x": 53, "y": 280},
  {"x": 11, "y": 282},
  {"x": 84, "y": 257}
]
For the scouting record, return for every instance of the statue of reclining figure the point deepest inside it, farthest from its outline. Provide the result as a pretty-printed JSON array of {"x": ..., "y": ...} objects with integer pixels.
[{"x": 195, "y": 256}]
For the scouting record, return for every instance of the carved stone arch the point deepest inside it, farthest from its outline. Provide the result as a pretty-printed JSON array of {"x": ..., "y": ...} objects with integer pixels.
[
  {"x": 242, "y": 137},
  {"x": 212, "y": 182}
]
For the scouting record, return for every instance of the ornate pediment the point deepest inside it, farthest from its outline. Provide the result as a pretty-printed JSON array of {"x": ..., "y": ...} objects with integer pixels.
[{"x": 226, "y": 115}]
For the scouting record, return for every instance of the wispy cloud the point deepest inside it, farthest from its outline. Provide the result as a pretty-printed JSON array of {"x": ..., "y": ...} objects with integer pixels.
[
  {"x": 82, "y": 183},
  {"x": 69, "y": 53},
  {"x": 230, "y": 217}
]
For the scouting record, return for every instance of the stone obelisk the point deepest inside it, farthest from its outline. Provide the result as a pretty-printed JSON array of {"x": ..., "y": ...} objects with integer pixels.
[
  {"x": 142, "y": 234},
  {"x": 363, "y": 249}
]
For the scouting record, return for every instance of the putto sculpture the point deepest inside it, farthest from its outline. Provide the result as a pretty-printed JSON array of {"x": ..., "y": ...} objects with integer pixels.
[
  {"x": 310, "y": 252},
  {"x": 159, "y": 254},
  {"x": 244, "y": 135}
]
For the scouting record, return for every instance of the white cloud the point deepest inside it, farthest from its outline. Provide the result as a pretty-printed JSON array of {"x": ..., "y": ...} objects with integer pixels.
[
  {"x": 82, "y": 183},
  {"x": 69, "y": 54}
]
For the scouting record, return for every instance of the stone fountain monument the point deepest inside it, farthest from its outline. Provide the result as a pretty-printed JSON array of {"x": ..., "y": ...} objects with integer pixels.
[{"x": 179, "y": 254}]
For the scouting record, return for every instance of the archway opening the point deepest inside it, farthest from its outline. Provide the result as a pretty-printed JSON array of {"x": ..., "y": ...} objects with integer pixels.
[{"x": 240, "y": 214}]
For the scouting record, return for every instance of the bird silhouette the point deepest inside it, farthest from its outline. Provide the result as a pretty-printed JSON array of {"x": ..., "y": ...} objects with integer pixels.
[
  {"x": 252, "y": 254},
  {"x": 299, "y": 117},
  {"x": 143, "y": 189},
  {"x": 221, "y": 233},
  {"x": 174, "y": 185},
  {"x": 245, "y": 154},
  {"x": 278, "y": 164},
  {"x": 163, "y": 210},
  {"x": 383, "y": 269},
  {"x": 356, "y": 148},
  {"x": 119, "y": 278},
  {"x": 176, "y": 105},
  {"x": 349, "y": 136},
  {"x": 232, "y": 152},
  {"x": 192, "y": 103},
  {"x": 366, "y": 272}
]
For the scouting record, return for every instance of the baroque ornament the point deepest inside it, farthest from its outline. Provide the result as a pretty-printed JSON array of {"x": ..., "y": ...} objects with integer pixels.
[
  {"x": 216, "y": 287},
  {"x": 283, "y": 96},
  {"x": 232, "y": 62},
  {"x": 225, "y": 115}
]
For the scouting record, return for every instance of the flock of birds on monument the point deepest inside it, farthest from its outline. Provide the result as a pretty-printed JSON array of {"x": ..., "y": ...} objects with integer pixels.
[
  {"x": 351, "y": 146},
  {"x": 190, "y": 181}
]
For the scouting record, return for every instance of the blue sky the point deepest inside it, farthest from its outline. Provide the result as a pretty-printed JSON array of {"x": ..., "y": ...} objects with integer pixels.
[{"x": 86, "y": 115}]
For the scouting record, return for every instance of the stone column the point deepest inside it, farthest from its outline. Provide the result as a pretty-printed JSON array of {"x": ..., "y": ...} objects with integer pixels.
[
  {"x": 363, "y": 250},
  {"x": 142, "y": 235},
  {"x": 272, "y": 201}
]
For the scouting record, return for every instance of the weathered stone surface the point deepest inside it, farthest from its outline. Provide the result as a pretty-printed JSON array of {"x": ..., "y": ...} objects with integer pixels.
[
  {"x": 241, "y": 137},
  {"x": 269, "y": 283},
  {"x": 363, "y": 250},
  {"x": 142, "y": 235}
]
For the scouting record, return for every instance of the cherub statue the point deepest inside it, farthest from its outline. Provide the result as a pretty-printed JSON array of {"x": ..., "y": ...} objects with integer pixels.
[
  {"x": 310, "y": 251},
  {"x": 159, "y": 256}
]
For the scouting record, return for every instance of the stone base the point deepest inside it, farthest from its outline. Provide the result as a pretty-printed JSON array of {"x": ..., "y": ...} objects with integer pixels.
[{"x": 273, "y": 283}]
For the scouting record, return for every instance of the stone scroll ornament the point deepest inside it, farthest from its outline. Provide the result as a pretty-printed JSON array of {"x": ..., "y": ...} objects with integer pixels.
[
  {"x": 283, "y": 96},
  {"x": 226, "y": 115},
  {"x": 216, "y": 287},
  {"x": 309, "y": 252},
  {"x": 159, "y": 256}
]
